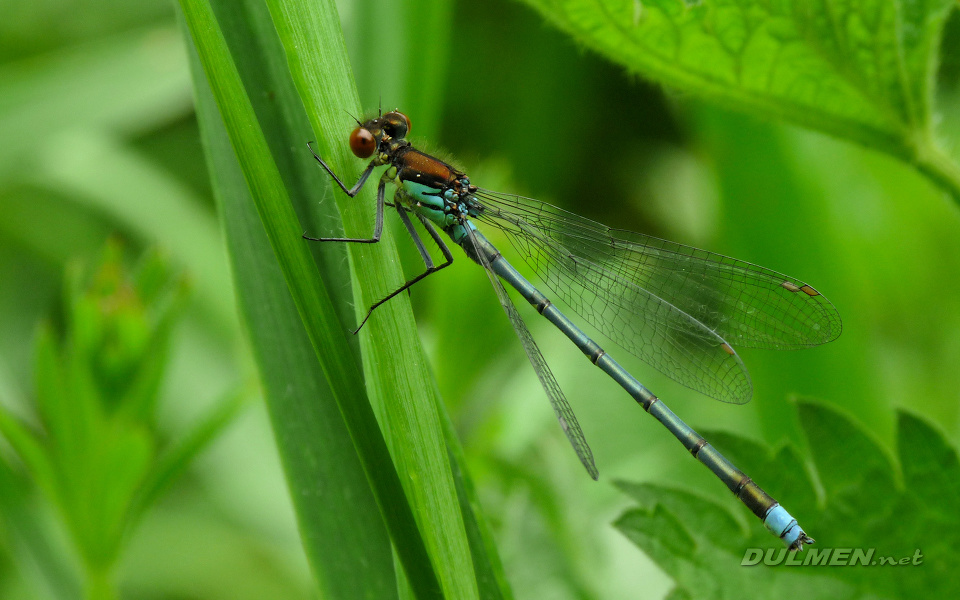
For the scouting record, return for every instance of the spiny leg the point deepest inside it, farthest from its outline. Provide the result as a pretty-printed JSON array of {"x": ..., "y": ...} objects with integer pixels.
[
  {"x": 447, "y": 255},
  {"x": 377, "y": 228},
  {"x": 348, "y": 191},
  {"x": 427, "y": 259}
]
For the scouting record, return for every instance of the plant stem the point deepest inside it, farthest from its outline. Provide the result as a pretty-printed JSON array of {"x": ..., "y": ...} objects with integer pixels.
[{"x": 942, "y": 170}]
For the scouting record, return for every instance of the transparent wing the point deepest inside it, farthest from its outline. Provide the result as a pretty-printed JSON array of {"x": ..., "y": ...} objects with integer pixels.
[
  {"x": 561, "y": 408},
  {"x": 676, "y": 307}
]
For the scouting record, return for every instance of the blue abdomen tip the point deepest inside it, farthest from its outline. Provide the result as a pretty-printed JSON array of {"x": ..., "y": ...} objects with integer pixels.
[{"x": 783, "y": 525}]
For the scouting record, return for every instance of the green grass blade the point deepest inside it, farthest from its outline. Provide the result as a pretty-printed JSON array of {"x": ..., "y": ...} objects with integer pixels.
[
  {"x": 262, "y": 65},
  {"x": 330, "y": 492},
  {"x": 393, "y": 358},
  {"x": 491, "y": 578},
  {"x": 323, "y": 329}
]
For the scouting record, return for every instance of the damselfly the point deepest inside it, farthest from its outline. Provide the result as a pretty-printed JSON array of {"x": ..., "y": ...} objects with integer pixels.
[{"x": 680, "y": 309}]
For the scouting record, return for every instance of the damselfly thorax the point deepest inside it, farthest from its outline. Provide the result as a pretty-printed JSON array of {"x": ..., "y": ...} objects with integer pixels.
[{"x": 425, "y": 184}]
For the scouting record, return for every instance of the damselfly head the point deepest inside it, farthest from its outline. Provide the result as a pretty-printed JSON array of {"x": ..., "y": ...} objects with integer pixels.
[{"x": 365, "y": 139}]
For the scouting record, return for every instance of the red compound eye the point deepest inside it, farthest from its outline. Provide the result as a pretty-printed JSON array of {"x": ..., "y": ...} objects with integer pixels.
[{"x": 362, "y": 143}]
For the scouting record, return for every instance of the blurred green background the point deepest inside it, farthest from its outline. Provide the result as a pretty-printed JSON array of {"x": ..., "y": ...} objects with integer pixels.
[{"x": 99, "y": 140}]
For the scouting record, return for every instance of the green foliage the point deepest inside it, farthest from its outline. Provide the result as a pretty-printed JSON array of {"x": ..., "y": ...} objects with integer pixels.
[
  {"x": 407, "y": 400},
  {"x": 95, "y": 451},
  {"x": 867, "y": 502},
  {"x": 100, "y": 139},
  {"x": 861, "y": 71},
  {"x": 300, "y": 401}
]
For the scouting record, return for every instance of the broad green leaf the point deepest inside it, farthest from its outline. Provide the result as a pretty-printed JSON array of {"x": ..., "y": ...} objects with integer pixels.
[
  {"x": 932, "y": 474},
  {"x": 702, "y": 569},
  {"x": 864, "y": 506},
  {"x": 862, "y": 71}
]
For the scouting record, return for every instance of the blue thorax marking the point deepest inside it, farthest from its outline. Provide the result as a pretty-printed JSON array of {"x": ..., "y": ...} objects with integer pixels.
[
  {"x": 458, "y": 232},
  {"x": 443, "y": 207},
  {"x": 426, "y": 195}
]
